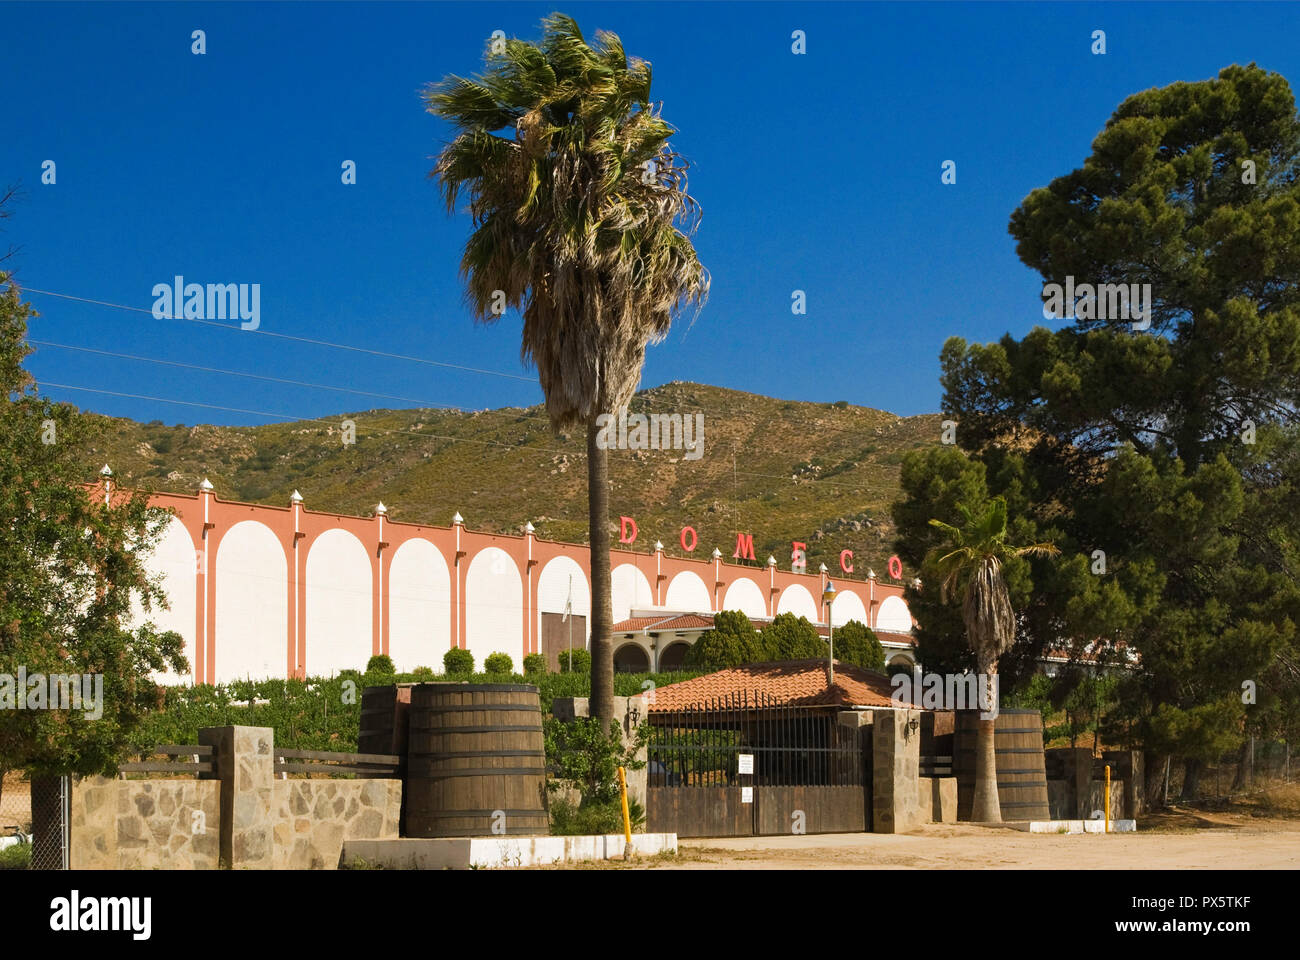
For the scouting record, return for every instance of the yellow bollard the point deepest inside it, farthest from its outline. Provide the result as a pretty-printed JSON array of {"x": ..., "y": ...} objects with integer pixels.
[
  {"x": 1108, "y": 798},
  {"x": 627, "y": 822}
]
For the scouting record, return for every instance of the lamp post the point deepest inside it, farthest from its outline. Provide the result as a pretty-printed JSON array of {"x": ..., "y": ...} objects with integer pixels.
[{"x": 828, "y": 597}]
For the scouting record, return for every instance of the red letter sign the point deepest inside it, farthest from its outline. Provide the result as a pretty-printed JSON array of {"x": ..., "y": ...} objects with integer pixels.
[
  {"x": 798, "y": 559},
  {"x": 845, "y": 556},
  {"x": 623, "y": 524},
  {"x": 694, "y": 539},
  {"x": 896, "y": 568},
  {"x": 744, "y": 546}
]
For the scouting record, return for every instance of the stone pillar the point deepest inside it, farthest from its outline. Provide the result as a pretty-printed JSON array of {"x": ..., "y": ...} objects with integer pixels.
[
  {"x": 1073, "y": 766},
  {"x": 245, "y": 765},
  {"x": 1126, "y": 765},
  {"x": 629, "y": 713},
  {"x": 896, "y": 772}
]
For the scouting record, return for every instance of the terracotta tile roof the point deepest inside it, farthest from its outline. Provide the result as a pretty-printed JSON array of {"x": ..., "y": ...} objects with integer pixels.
[
  {"x": 794, "y": 682},
  {"x": 676, "y": 621}
]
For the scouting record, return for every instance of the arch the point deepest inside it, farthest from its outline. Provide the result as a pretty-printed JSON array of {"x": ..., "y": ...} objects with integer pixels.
[
  {"x": 494, "y": 607},
  {"x": 177, "y": 563},
  {"x": 687, "y": 592},
  {"x": 631, "y": 658},
  {"x": 797, "y": 600},
  {"x": 553, "y": 592},
  {"x": 893, "y": 616},
  {"x": 671, "y": 657},
  {"x": 419, "y": 606},
  {"x": 900, "y": 660},
  {"x": 745, "y": 595},
  {"x": 629, "y": 588},
  {"x": 252, "y": 604},
  {"x": 848, "y": 606},
  {"x": 339, "y": 626}
]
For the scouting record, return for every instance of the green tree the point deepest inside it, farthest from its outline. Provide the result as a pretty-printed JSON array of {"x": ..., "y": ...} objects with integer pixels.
[
  {"x": 789, "y": 637},
  {"x": 1160, "y": 459},
  {"x": 71, "y": 563},
  {"x": 732, "y": 642},
  {"x": 858, "y": 644},
  {"x": 581, "y": 223},
  {"x": 972, "y": 566}
]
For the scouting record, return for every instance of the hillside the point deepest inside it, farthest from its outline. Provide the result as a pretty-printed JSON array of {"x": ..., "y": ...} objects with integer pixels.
[{"x": 823, "y": 473}]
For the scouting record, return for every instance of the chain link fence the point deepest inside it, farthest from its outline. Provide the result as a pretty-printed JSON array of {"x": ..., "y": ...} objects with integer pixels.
[
  {"x": 1259, "y": 766},
  {"x": 34, "y": 822}
]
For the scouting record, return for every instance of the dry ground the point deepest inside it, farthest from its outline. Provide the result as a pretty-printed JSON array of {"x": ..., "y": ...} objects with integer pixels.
[{"x": 1249, "y": 834}]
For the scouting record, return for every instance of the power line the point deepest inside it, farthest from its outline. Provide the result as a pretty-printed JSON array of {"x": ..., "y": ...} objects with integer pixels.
[{"x": 291, "y": 337}]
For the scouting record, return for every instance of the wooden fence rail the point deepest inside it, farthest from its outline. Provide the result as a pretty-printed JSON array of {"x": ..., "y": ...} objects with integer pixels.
[
  {"x": 384, "y": 765},
  {"x": 206, "y": 762}
]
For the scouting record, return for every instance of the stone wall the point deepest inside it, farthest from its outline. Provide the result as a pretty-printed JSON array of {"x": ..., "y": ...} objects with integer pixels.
[
  {"x": 313, "y": 818},
  {"x": 239, "y": 817},
  {"x": 145, "y": 824},
  {"x": 629, "y": 712}
]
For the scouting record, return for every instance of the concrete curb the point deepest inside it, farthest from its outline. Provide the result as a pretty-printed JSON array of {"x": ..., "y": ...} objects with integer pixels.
[{"x": 461, "y": 853}]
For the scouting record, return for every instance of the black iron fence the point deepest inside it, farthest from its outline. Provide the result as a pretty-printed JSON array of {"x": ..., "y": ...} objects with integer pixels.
[{"x": 748, "y": 764}]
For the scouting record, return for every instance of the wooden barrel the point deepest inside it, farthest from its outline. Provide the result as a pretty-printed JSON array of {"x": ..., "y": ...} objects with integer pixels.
[
  {"x": 384, "y": 717},
  {"x": 476, "y": 764},
  {"x": 1022, "y": 775}
]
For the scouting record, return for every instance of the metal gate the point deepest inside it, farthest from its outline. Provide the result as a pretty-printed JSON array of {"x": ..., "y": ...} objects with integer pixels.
[
  {"x": 51, "y": 837},
  {"x": 747, "y": 765}
]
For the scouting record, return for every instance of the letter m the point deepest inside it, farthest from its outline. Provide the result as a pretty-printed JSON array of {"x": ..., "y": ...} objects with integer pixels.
[
  {"x": 1113, "y": 298},
  {"x": 744, "y": 546},
  {"x": 223, "y": 301}
]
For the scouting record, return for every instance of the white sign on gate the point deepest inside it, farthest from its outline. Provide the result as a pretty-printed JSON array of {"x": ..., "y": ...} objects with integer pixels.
[
  {"x": 746, "y": 794},
  {"x": 746, "y": 762}
]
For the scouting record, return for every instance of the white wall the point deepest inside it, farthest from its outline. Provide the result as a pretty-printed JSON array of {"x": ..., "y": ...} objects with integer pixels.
[
  {"x": 339, "y": 626},
  {"x": 797, "y": 600},
  {"x": 494, "y": 607},
  {"x": 553, "y": 593},
  {"x": 687, "y": 592},
  {"x": 894, "y": 616},
  {"x": 177, "y": 562},
  {"x": 419, "y": 606},
  {"x": 630, "y": 588},
  {"x": 746, "y": 596},
  {"x": 252, "y": 606},
  {"x": 848, "y": 606}
]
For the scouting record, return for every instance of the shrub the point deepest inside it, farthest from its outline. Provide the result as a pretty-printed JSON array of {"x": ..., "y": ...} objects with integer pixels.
[
  {"x": 791, "y": 638},
  {"x": 422, "y": 674},
  {"x": 498, "y": 663},
  {"x": 458, "y": 661},
  {"x": 19, "y": 856},
  {"x": 732, "y": 641},
  {"x": 594, "y": 818},
  {"x": 380, "y": 664},
  {"x": 580, "y": 662},
  {"x": 589, "y": 756},
  {"x": 534, "y": 664},
  {"x": 856, "y": 643}
]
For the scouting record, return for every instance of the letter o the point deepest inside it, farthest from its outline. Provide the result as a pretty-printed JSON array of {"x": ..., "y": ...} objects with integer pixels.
[
  {"x": 896, "y": 568},
  {"x": 694, "y": 539}
]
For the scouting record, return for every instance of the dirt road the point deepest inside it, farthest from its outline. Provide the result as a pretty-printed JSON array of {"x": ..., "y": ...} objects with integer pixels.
[{"x": 1270, "y": 845}]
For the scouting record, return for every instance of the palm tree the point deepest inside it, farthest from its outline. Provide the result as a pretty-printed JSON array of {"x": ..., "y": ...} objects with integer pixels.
[
  {"x": 582, "y": 223},
  {"x": 976, "y": 553}
]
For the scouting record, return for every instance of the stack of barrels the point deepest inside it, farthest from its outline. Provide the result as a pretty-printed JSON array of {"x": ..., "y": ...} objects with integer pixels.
[{"x": 1021, "y": 771}]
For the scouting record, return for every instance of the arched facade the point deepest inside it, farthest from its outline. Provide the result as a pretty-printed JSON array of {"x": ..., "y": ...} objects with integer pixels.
[
  {"x": 494, "y": 607},
  {"x": 262, "y": 591},
  {"x": 848, "y": 606},
  {"x": 419, "y": 606},
  {"x": 688, "y": 593},
  {"x": 340, "y": 598},
  {"x": 250, "y": 604}
]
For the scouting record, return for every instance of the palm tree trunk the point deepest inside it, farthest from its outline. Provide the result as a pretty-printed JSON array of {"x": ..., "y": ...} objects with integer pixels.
[
  {"x": 986, "y": 808},
  {"x": 602, "y": 612}
]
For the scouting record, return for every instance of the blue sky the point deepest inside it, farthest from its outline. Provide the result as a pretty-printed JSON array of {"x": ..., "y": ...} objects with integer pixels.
[{"x": 818, "y": 172}]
